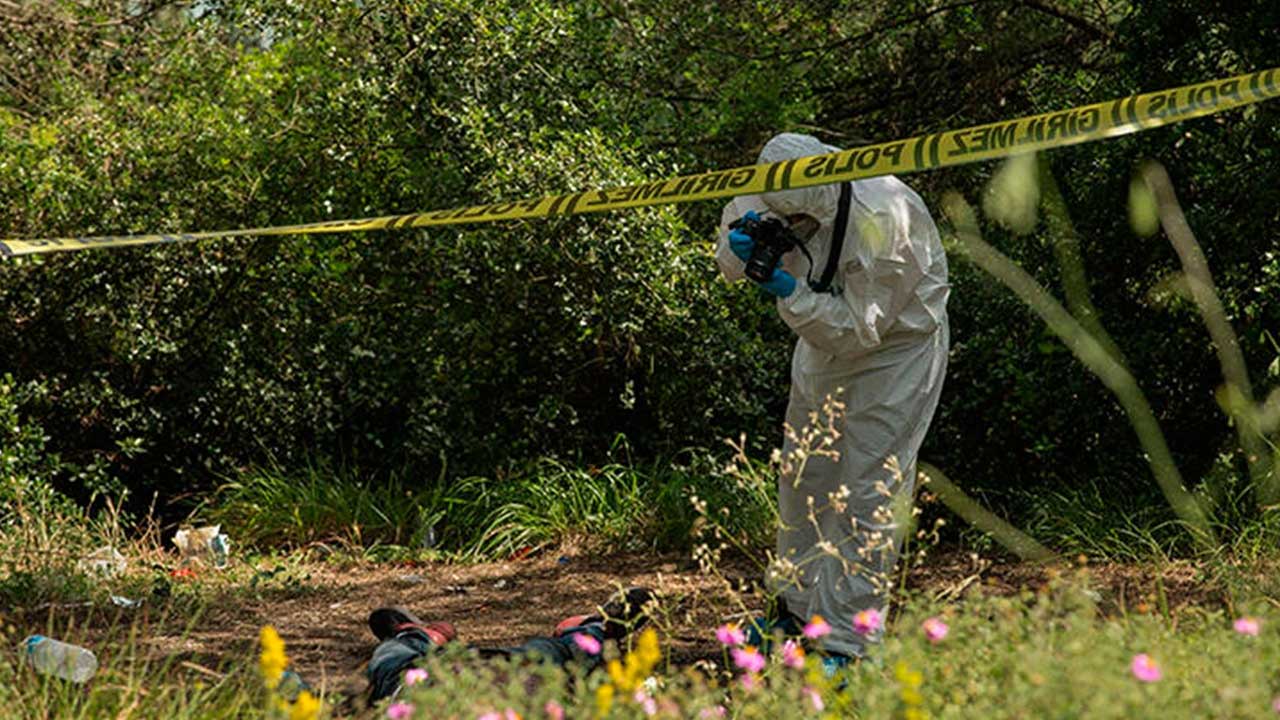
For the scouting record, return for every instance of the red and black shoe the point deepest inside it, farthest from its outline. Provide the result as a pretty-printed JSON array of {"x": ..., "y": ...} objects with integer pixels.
[
  {"x": 388, "y": 622},
  {"x": 623, "y": 614}
]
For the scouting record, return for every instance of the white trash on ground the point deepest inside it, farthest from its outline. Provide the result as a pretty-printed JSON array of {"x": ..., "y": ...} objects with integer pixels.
[
  {"x": 105, "y": 562},
  {"x": 208, "y": 543},
  {"x": 64, "y": 660}
]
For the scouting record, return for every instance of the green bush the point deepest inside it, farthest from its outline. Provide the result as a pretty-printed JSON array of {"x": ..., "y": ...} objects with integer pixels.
[
  {"x": 480, "y": 349},
  {"x": 474, "y": 347}
]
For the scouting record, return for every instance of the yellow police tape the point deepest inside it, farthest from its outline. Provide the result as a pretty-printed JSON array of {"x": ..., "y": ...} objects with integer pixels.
[{"x": 926, "y": 152}]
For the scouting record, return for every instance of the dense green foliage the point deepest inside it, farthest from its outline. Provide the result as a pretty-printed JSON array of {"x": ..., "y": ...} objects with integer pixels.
[{"x": 450, "y": 353}]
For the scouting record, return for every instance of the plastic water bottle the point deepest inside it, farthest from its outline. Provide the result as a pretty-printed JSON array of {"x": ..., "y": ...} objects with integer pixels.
[
  {"x": 54, "y": 657},
  {"x": 219, "y": 548}
]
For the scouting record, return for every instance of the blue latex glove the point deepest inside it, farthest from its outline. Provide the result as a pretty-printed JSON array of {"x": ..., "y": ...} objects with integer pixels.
[
  {"x": 781, "y": 284},
  {"x": 740, "y": 242}
]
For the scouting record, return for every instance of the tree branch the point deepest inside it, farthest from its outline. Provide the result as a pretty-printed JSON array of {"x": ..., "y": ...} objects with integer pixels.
[{"x": 1072, "y": 20}]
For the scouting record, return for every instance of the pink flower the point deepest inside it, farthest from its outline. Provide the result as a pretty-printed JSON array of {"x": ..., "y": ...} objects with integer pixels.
[
  {"x": 867, "y": 621},
  {"x": 490, "y": 716},
  {"x": 935, "y": 629},
  {"x": 510, "y": 714},
  {"x": 730, "y": 635},
  {"x": 646, "y": 703},
  {"x": 815, "y": 698},
  {"x": 793, "y": 655},
  {"x": 712, "y": 712},
  {"x": 399, "y": 711},
  {"x": 1247, "y": 626},
  {"x": 589, "y": 645},
  {"x": 750, "y": 682},
  {"x": 554, "y": 710},
  {"x": 748, "y": 659},
  {"x": 1275, "y": 704},
  {"x": 1144, "y": 668},
  {"x": 816, "y": 628},
  {"x": 415, "y": 676}
]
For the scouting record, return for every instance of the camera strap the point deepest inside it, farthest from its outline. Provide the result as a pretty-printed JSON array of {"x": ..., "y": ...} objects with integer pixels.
[{"x": 837, "y": 241}]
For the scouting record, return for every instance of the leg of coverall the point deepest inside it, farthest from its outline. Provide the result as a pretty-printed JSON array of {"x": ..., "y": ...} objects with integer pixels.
[{"x": 836, "y": 523}]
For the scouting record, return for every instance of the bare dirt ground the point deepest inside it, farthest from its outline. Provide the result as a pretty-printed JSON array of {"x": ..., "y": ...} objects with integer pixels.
[{"x": 321, "y": 612}]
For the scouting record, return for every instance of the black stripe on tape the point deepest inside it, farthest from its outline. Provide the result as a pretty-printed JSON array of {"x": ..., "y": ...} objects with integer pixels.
[
  {"x": 770, "y": 180},
  {"x": 919, "y": 151},
  {"x": 1131, "y": 110},
  {"x": 573, "y": 203},
  {"x": 555, "y": 204},
  {"x": 786, "y": 173},
  {"x": 934, "y": 142}
]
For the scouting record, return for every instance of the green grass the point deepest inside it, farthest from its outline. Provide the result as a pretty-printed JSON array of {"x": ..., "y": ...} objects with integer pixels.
[
  {"x": 1086, "y": 520},
  {"x": 274, "y": 507},
  {"x": 613, "y": 507},
  {"x": 127, "y": 683},
  {"x": 624, "y": 506}
]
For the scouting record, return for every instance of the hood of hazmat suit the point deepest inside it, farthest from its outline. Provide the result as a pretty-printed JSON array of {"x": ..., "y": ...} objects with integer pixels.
[{"x": 866, "y": 376}]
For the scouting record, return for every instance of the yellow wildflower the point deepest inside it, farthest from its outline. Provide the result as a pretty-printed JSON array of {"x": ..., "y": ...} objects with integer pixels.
[
  {"x": 604, "y": 699},
  {"x": 616, "y": 675},
  {"x": 630, "y": 673},
  {"x": 635, "y": 667},
  {"x": 909, "y": 682},
  {"x": 273, "y": 660},
  {"x": 306, "y": 707},
  {"x": 648, "y": 654}
]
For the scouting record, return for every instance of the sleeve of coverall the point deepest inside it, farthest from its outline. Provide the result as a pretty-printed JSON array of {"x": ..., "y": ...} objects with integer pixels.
[
  {"x": 731, "y": 266},
  {"x": 855, "y": 319}
]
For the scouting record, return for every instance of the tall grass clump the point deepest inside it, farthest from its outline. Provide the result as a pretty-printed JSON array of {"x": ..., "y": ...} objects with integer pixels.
[
  {"x": 320, "y": 503},
  {"x": 618, "y": 506}
]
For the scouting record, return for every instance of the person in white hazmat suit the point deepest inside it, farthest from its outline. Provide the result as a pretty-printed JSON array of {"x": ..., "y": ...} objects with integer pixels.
[{"x": 876, "y": 341}]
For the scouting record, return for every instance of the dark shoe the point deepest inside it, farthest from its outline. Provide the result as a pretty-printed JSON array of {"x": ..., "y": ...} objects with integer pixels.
[
  {"x": 837, "y": 668},
  {"x": 387, "y": 622},
  {"x": 777, "y": 619},
  {"x": 621, "y": 615}
]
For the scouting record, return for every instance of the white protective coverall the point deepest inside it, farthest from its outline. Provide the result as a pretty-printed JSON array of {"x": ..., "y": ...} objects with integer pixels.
[{"x": 878, "y": 343}]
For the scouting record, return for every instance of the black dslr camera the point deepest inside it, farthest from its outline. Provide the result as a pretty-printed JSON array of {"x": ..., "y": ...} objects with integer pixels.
[{"x": 773, "y": 239}]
